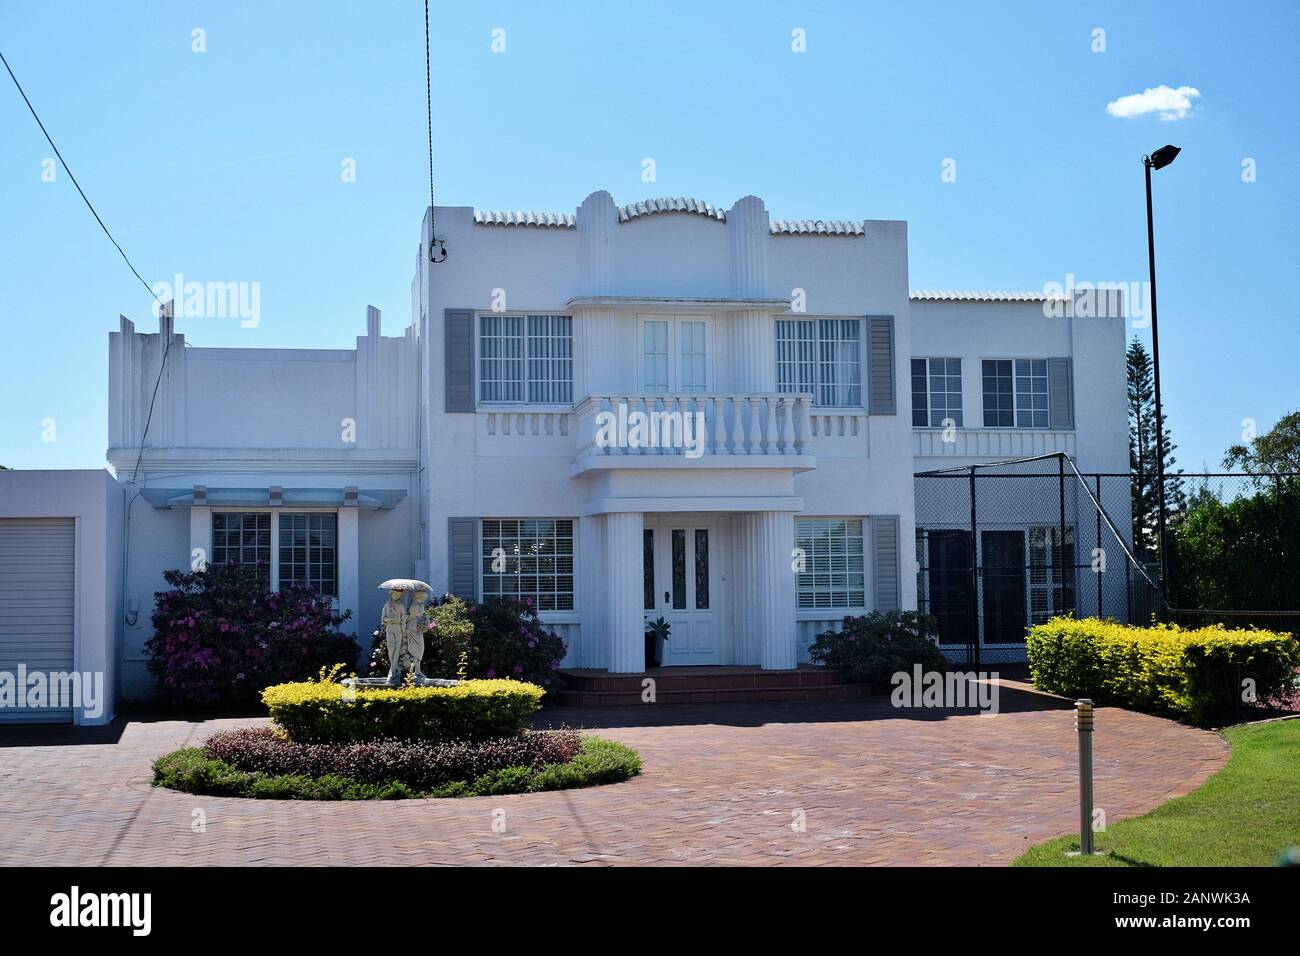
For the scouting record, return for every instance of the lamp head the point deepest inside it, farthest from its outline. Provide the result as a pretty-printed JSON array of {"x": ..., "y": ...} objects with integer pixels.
[{"x": 1163, "y": 156}]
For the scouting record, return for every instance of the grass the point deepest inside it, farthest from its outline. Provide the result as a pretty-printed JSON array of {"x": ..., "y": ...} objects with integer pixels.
[
  {"x": 1244, "y": 815},
  {"x": 599, "y": 761}
]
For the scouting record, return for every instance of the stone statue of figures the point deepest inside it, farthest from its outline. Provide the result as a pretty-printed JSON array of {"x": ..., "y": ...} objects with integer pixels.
[
  {"x": 403, "y": 626},
  {"x": 393, "y": 621},
  {"x": 412, "y": 651}
]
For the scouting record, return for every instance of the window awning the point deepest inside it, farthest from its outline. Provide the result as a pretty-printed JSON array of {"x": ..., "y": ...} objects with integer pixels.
[{"x": 274, "y": 497}]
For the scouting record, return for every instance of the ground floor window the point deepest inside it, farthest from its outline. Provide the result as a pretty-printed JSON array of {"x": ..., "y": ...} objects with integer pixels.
[
  {"x": 529, "y": 558},
  {"x": 832, "y": 563},
  {"x": 305, "y": 546}
]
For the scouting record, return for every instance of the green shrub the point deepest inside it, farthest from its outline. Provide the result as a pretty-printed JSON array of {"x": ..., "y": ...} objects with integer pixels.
[
  {"x": 499, "y": 637},
  {"x": 878, "y": 645},
  {"x": 1197, "y": 676},
  {"x": 325, "y": 712},
  {"x": 597, "y": 762}
]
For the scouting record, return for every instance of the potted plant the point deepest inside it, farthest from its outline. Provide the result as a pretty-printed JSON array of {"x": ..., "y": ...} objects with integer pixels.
[{"x": 656, "y": 632}]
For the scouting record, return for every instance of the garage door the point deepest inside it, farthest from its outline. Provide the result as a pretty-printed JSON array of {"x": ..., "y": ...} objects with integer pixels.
[{"x": 37, "y": 591}]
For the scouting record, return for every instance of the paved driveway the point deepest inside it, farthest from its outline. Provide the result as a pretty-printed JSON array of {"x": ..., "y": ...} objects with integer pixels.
[{"x": 839, "y": 782}]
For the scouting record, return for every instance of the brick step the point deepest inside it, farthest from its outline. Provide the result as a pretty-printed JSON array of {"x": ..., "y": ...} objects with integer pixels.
[
  {"x": 724, "y": 680},
  {"x": 632, "y": 697}
]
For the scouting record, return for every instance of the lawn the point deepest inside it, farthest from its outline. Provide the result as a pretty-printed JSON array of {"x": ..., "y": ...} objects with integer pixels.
[{"x": 1244, "y": 815}]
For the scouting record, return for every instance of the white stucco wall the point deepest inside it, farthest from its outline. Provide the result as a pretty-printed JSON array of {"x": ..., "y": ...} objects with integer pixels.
[{"x": 94, "y": 500}]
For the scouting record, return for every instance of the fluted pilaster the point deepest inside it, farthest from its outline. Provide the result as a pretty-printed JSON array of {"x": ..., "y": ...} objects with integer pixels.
[
  {"x": 747, "y": 223},
  {"x": 596, "y": 219},
  {"x": 767, "y": 539},
  {"x": 623, "y": 574}
]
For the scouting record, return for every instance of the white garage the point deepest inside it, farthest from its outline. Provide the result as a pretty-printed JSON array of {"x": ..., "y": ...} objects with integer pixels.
[
  {"x": 60, "y": 595},
  {"x": 37, "y": 604}
]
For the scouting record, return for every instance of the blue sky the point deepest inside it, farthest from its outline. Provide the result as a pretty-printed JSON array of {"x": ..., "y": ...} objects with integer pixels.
[{"x": 226, "y": 165}]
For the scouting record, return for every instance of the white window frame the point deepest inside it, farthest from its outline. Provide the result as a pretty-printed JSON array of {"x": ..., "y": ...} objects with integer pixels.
[
  {"x": 819, "y": 611},
  {"x": 820, "y": 387},
  {"x": 555, "y": 615},
  {"x": 930, "y": 393},
  {"x": 554, "y": 387},
  {"x": 1018, "y": 400},
  {"x": 674, "y": 323},
  {"x": 274, "y": 572}
]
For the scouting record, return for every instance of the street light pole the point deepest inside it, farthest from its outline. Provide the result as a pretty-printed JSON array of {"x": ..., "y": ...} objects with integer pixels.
[{"x": 1158, "y": 160}]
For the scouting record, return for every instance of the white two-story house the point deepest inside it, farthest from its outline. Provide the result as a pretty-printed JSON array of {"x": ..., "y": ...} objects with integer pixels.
[{"x": 665, "y": 409}]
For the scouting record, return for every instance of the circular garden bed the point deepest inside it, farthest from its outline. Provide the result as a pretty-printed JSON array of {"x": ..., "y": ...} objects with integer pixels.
[{"x": 332, "y": 742}]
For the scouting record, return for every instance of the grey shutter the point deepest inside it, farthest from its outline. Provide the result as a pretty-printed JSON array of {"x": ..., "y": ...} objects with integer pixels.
[
  {"x": 1060, "y": 393},
  {"x": 459, "y": 357},
  {"x": 880, "y": 365},
  {"x": 884, "y": 561},
  {"x": 462, "y": 558}
]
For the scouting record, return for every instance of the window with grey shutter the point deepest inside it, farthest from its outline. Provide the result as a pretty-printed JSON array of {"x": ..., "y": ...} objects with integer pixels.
[
  {"x": 880, "y": 365},
  {"x": 458, "y": 355},
  {"x": 1060, "y": 388},
  {"x": 884, "y": 563},
  {"x": 462, "y": 558}
]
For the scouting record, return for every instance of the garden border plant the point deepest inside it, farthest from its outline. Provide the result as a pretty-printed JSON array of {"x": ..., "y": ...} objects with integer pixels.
[
  {"x": 331, "y": 741},
  {"x": 1197, "y": 676}
]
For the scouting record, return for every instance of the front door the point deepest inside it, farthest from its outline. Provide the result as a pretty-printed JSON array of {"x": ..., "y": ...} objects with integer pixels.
[{"x": 681, "y": 559}]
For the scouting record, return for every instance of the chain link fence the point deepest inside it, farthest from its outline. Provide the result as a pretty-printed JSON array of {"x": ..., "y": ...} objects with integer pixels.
[{"x": 1004, "y": 546}]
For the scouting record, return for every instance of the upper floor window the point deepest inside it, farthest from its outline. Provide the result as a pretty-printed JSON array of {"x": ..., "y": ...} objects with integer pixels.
[
  {"x": 674, "y": 354},
  {"x": 822, "y": 356},
  {"x": 1015, "y": 393},
  {"x": 936, "y": 392},
  {"x": 526, "y": 358},
  {"x": 834, "y": 574}
]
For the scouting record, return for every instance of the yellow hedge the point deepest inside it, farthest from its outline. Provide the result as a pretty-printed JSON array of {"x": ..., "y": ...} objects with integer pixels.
[
  {"x": 325, "y": 712},
  {"x": 1199, "y": 676}
]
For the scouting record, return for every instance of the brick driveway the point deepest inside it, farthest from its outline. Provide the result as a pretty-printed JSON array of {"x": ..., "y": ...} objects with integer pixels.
[{"x": 722, "y": 784}]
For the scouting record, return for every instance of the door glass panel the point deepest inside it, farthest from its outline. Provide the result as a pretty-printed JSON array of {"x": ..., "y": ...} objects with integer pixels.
[
  {"x": 654, "y": 353},
  {"x": 648, "y": 567},
  {"x": 679, "y": 568},
  {"x": 702, "y": 569},
  {"x": 691, "y": 371}
]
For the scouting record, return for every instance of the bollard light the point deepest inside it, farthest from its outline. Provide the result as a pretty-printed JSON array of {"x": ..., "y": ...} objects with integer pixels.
[{"x": 1083, "y": 722}]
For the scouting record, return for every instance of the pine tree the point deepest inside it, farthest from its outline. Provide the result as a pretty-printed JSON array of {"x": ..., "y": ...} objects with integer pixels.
[{"x": 1142, "y": 454}]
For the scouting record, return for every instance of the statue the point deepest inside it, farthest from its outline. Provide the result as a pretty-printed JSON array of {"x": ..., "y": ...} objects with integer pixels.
[{"x": 403, "y": 626}]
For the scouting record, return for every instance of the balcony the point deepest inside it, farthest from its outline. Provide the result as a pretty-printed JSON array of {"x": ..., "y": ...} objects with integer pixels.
[{"x": 694, "y": 430}]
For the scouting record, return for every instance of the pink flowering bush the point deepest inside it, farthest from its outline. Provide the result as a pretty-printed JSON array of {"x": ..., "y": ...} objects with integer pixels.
[
  {"x": 501, "y": 637},
  {"x": 220, "y": 636}
]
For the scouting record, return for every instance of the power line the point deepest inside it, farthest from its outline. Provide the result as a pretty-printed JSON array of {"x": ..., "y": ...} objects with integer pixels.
[
  {"x": 32, "y": 109},
  {"x": 428, "y": 103},
  {"x": 168, "y": 346}
]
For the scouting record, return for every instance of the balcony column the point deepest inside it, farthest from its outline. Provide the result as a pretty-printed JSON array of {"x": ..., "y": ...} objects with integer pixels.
[
  {"x": 625, "y": 592},
  {"x": 768, "y": 537}
]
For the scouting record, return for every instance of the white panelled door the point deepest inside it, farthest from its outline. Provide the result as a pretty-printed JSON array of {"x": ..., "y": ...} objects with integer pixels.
[
  {"x": 37, "y": 595},
  {"x": 681, "y": 585}
]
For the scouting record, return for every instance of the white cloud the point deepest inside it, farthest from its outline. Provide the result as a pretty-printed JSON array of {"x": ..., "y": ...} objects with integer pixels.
[{"x": 1170, "y": 103}]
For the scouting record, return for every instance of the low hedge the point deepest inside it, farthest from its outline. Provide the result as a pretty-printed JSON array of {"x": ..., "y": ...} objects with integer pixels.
[
  {"x": 422, "y": 765},
  {"x": 192, "y": 770},
  {"x": 326, "y": 712},
  {"x": 1197, "y": 676}
]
